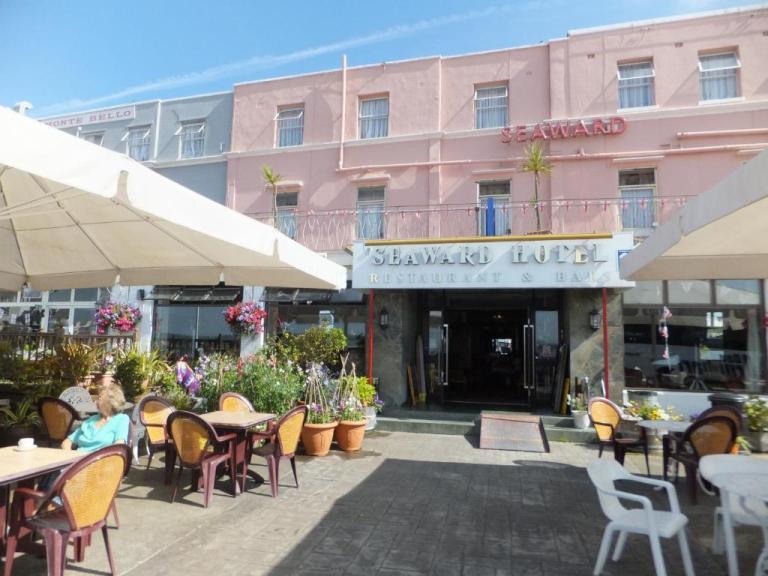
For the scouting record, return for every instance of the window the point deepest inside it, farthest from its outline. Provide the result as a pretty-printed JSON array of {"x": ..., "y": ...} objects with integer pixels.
[
  {"x": 374, "y": 118},
  {"x": 491, "y": 107},
  {"x": 290, "y": 127},
  {"x": 286, "y": 213},
  {"x": 370, "y": 213},
  {"x": 637, "y": 189},
  {"x": 494, "y": 208},
  {"x": 636, "y": 85},
  {"x": 191, "y": 140},
  {"x": 138, "y": 143},
  {"x": 718, "y": 74},
  {"x": 93, "y": 137}
]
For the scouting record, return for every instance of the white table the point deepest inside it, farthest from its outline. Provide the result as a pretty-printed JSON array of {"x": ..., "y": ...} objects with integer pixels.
[
  {"x": 752, "y": 486},
  {"x": 663, "y": 428}
]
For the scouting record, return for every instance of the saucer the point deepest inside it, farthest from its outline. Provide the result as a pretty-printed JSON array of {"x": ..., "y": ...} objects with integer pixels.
[{"x": 19, "y": 449}]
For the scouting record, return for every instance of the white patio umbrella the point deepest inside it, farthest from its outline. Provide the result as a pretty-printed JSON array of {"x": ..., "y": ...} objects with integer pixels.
[
  {"x": 722, "y": 233},
  {"x": 75, "y": 215}
]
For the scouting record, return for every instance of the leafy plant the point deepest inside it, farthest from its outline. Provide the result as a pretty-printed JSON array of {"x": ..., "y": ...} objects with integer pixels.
[
  {"x": 348, "y": 403},
  {"x": 648, "y": 411},
  {"x": 321, "y": 345},
  {"x": 25, "y": 415},
  {"x": 272, "y": 179},
  {"x": 578, "y": 404},
  {"x": 756, "y": 410},
  {"x": 137, "y": 371},
  {"x": 743, "y": 444},
  {"x": 74, "y": 361},
  {"x": 270, "y": 387},
  {"x": 535, "y": 160}
]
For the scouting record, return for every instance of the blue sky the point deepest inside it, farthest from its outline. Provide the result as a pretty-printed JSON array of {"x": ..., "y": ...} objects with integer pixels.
[{"x": 70, "y": 55}]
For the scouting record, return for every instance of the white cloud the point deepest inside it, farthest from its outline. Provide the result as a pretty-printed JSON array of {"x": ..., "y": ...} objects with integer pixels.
[{"x": 273, "y": 61}]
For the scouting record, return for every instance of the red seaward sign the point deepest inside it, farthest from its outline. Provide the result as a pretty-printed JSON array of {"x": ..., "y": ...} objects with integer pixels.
[{"x": 560, "y": 130}]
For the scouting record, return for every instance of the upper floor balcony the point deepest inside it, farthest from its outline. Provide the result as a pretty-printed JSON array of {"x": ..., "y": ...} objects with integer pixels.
[{"x": 330, "y": 230}]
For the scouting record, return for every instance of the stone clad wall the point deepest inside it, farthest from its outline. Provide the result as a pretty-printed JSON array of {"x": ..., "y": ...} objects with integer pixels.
[
  {"x": 586, "y": 345},
  {"x": 395, "y": 347}
]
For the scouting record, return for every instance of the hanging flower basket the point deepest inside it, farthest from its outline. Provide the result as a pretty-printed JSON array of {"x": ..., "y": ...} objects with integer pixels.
[
  {"x": 121, "y": 317},
  {"x": 245, "y": 318}
]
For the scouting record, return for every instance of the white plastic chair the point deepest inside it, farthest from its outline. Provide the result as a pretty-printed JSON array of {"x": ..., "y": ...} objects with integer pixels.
[
  {"x": 77, "y": 397},
  {"x": 655, "y": 524},
  {"x": 743, "y": 511}
]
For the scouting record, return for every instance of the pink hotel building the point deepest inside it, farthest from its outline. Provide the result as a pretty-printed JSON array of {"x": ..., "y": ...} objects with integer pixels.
[{"x": 411, "y": 174}]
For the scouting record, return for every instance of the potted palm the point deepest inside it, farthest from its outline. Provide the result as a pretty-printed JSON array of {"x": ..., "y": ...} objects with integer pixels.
[
  {"x": 19, "y": 423},
  {"x": 317, "y": 433},
  {"x": 351, "y": 429}
]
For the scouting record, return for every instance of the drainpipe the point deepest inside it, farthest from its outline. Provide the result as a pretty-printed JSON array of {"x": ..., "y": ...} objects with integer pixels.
[
  {"x": 343, "y": 109},
  {"x": 606, "y": 375},
  {"x": 371, "y": 317},
  {"x": 157, "y": 130}
]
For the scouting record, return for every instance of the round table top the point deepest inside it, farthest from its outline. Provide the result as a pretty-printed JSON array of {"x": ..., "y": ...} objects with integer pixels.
[
  {"x": 748, "y": 485},
  {"x": 665, "y": 425}
]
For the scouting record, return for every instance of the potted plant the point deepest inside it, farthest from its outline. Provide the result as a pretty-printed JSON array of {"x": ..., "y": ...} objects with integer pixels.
[
  {"x": 756, "y": 410},
  {"x": 136, "y": 371},
  {"x": 369, "y": 398},
  {"x": 579, "y": 413},
  {"x": 73, "y": 362},
  {"x": 19, "y": 423},
  {"x": 317, "y": 433},
  {"x": 351, "y": 429},
  {"x": 104, "y": 370},
  {"x": 115, "y": 316},
  {"x": 245, "y": 318}
]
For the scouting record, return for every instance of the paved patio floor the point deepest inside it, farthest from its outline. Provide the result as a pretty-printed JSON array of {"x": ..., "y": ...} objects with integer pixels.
[{"x": 409, "y": 504}]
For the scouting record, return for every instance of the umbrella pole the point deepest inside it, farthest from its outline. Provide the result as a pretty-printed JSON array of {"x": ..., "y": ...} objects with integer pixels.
[{"x": 605, "y": 344}]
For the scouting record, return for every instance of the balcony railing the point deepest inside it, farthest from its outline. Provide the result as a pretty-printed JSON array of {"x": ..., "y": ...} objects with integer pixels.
[
  {"x": 335, "y": 229},
  {"x": 37, "y": 345}
]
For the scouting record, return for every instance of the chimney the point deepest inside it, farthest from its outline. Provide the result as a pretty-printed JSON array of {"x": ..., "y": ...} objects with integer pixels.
[{"x": 22, "y": 107}]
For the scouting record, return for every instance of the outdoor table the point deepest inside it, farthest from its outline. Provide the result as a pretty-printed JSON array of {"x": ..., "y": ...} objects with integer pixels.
[
  {"x": 746, "y": 486},
  {"x": 19, "y": 466},
  {"x": 663, "y": 428},
  {"x": 240, "y": 423}
]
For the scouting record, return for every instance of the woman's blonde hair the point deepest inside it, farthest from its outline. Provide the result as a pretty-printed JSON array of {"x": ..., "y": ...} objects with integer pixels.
[{"x": 115, "y": 397}]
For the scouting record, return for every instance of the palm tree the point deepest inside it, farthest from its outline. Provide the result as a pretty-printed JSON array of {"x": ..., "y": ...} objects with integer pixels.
[
  {"x": 272, "y": 179},
  {"x": 536, "y": 161}
]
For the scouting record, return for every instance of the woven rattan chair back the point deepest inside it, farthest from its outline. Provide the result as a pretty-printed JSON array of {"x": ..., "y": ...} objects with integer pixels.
[
  {"x": 711, "y": 435},
  {"x": 727, "y": 411},
  {"x": 234, "y": 402},
  {"x": 88, "y": 487},
  {"x": 289, "y": 429},
  {"x": 58, "y": 417},
  {"x": 605, "y": 416},
  {"x": 153, "y": 413},
  {"x": 191, "y": 436}
]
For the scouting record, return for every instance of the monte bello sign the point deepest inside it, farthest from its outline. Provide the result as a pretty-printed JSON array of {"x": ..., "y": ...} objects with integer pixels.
[{"x": 556, "y": 130}]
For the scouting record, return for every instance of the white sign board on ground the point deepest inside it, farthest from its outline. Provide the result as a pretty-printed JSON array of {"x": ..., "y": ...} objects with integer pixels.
[{"x": 591, "y": 261}]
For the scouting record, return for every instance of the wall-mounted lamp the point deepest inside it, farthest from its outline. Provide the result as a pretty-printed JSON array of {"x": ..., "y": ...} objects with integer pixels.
[
  {"x": 383, "y": 319},
  {"x": 595, "y": 319}
]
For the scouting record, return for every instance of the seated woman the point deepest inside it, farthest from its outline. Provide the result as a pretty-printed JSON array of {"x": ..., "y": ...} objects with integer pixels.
[{"x": 108, "y": 427}]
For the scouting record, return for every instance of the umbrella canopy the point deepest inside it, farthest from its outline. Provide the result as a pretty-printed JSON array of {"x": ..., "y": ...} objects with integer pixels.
[
  {"x": 75, "y": 215},
  {"x": 722, "y": 233}
]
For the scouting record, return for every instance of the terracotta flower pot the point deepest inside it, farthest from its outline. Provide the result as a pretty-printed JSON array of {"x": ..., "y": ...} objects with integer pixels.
[
  {"x": 349, "y": 435},
  {"x": 317, "y": 438}
]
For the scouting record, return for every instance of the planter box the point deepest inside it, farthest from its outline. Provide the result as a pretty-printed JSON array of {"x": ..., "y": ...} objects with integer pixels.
[{"x": 758, "y": 441}]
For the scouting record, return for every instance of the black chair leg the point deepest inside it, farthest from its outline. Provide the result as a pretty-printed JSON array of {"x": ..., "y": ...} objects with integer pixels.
[
  {"x": 600, "y": 450},
  {"x": 647, "y": 464},
  {"x": 293, "y": 466}
]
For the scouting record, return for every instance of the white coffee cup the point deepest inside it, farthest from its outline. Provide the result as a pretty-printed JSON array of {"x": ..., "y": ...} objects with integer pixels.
[{"x": 26, "y": 443}]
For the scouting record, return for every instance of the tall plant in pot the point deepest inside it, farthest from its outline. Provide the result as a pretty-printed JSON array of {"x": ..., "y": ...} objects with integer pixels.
[
  {"x": 351, "y": 429},
  {"x": 317, "y": 434}
]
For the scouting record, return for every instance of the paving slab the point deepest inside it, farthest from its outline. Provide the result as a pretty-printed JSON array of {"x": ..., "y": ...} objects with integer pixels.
[{"x": 407, "y": 504}]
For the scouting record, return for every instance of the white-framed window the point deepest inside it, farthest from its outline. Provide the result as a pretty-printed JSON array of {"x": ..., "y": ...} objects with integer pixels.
[
  {"x": 286, "y": 213},
  {"x": 719, "y": 76},
  {"x": 138, "y": 143},
  {"x": 637, "y": 189},
  {"x": 93, "y": 137},
  {"x": 191, "y": 139},
  {"x": 491, "y": 105},
  {"x": 494, "y": 199},
  {"x": 374, "y": 117},
  {"x": 33, "y": 311},
  {"x": 370, "y": 213},
  {"x": 290, "y": 127},
  {"x": 636, "y": 84}
]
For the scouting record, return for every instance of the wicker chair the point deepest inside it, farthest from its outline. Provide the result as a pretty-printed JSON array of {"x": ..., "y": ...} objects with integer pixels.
[
  {"x": 607, "y": 418},
  {"x": 86, "y": 491},
  {"x": 153, "y": 414},
  {"x": 283, "y": 440},
  {"x": 708, "y": 435},
  {"x": 200, "y": 449},
  {"x": 234, "y": 402},
  {"x": 59, "y": 418}
]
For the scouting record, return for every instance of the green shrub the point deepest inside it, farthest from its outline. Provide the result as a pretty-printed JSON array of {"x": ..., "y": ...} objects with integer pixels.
[
  {"x": 271, "y": 387},
  {"x": 756, "y": 410},
  {"x": 137, "y": 371},
  {"x": 74, "y": 361}
]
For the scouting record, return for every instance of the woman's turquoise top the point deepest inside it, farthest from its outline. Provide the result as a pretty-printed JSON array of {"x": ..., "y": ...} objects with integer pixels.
[{"x": 88, "y": 437}]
